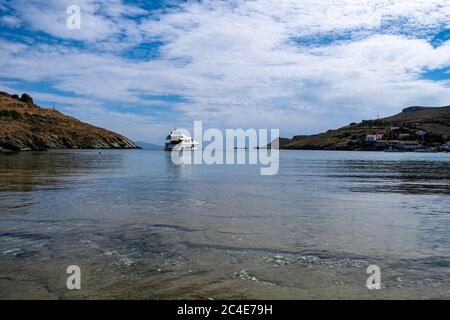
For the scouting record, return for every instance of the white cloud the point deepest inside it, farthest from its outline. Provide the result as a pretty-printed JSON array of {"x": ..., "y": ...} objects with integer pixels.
[
  {"x": 11, "y": 21},
  {"x": 101, "y": 20}
]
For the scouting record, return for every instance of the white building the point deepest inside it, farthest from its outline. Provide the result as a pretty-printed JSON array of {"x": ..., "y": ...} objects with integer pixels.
[{"x": 371, "y": 138}]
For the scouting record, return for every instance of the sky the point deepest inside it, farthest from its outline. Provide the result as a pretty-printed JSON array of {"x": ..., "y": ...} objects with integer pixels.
[{"x": 142, "y": 68}]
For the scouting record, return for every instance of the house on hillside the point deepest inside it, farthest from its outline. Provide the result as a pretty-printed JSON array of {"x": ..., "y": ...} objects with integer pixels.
[
  {"x": 409, "y": 145},
  {"x": 404, "y": 145},
  {"x": 371, "y": 138}
]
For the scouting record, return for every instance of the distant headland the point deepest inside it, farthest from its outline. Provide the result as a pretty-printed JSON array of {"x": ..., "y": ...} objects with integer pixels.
[
  {"x": 414, "y": 129},
  {"x": 26, "y": 126}
]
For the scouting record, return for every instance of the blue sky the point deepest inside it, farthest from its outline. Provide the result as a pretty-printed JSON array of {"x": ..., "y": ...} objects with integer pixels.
[{"x": 303, "y": 66}]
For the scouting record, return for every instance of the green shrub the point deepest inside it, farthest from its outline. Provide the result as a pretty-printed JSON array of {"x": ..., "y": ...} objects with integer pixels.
[{"x": 10, "y": 114}]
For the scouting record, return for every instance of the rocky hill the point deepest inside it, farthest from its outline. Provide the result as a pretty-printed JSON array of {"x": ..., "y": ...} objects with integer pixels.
[
  {"x": 26, "y": 126},
  {"x": 434, "y": 121}
]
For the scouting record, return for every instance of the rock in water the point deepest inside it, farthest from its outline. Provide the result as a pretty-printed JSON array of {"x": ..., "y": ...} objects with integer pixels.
[{"x": 26, "y": 126}]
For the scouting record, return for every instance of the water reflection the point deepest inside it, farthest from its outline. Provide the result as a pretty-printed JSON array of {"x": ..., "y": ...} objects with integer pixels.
[
  {"x": 181, "y": 169},
  {"x": 25, "y": 175},
  {"x": 131, "y": 213},
  {"x": 409, "y": 177}
]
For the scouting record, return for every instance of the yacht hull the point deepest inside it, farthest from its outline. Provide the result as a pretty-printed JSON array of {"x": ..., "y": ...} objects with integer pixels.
[{"x": 178, "y": 147}]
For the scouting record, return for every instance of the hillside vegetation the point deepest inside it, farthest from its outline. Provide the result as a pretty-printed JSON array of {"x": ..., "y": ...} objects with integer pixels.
[
  {"x": 434, "y": 121},
  {"x": 26, "y": 126}
]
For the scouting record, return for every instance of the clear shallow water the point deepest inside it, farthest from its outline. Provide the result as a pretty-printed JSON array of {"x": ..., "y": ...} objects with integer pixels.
[{"x": 142, "y": 227}]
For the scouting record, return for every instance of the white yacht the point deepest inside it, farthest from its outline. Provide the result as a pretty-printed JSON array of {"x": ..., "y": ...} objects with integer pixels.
[{"x": 176, "y": 140}]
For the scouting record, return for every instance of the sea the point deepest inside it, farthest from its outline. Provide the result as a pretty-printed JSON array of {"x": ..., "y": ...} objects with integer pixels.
[{"x": 139, "y": 226}]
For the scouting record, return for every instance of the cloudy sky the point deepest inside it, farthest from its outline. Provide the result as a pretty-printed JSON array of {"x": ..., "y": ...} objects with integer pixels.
[{"x": 304, "y": 66}]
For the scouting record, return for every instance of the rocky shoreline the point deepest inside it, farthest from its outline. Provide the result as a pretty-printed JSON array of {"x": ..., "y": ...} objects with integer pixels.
[{"x": 24, "y": 126}]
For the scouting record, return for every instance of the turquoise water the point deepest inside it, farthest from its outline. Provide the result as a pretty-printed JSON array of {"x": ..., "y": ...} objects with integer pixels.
[{"x": 141, "y": 227}]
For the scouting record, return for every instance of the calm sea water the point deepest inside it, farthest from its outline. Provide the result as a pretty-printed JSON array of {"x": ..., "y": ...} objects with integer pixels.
[{"x": 141, "y": 227}]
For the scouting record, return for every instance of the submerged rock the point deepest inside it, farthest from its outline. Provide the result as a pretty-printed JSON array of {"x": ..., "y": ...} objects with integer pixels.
[
  {"x": 285, "y": 260},
  {"x": 244, "y": 275}
]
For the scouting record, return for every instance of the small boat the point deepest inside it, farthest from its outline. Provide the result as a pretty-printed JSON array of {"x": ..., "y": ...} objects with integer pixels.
[{"x": 176, "y": 140}]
